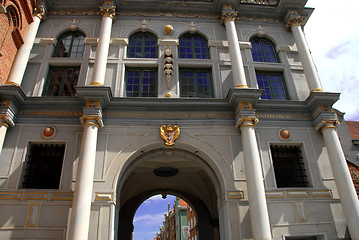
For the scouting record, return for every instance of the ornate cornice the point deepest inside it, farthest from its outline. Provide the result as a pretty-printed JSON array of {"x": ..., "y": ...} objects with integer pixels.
[
  {"x": 228, "y": 14},
  {"x": 108, "y": 11},
  {"x": 294, "y": 20},
  {"x": 39, "y": 12}
]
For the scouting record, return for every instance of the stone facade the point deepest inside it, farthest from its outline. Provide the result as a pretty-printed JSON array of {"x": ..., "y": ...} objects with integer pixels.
[{"x": 217, "y": 152}]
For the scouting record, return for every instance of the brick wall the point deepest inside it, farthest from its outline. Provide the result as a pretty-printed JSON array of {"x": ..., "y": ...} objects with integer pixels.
[
  {"x": 354, "y": 171},
  {"x": 11, "y": 37}
]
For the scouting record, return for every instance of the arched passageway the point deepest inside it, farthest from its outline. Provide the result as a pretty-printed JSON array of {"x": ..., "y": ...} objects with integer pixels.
[{"x": 169, "y": 171}]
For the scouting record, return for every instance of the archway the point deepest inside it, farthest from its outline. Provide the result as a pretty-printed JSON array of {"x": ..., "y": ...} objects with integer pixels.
[{"x": 169, "y": 171}]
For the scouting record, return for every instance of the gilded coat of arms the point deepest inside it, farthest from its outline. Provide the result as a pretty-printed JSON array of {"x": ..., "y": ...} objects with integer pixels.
[{"x": 169, "y": 134}]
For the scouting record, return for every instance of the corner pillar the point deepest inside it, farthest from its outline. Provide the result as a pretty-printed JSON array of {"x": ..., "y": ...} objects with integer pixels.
[
  {"x": 246, "y": 121},
  {"x": 293, "y": 23},
  {"x": 228, "y": 18},
  {"x": 99, "y": 71},
  {"x": 342, "y": 177},
  {"x": 22, "y": 56},
  {"x": 81, "y": 206}
]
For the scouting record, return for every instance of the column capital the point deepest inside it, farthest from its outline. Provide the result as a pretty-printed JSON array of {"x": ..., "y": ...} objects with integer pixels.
[
  {"x": 108, "y": 11},
  {"x": 6, "y": 114},
  {"x": 228, "y": 14},
  {"x": 327, "y": 123},
  {"x": 39, "y": 12},
  {"x": 246, "y": 115},
  {"x": 294, "y": 19},
  {"x": 92, "y": 114}
]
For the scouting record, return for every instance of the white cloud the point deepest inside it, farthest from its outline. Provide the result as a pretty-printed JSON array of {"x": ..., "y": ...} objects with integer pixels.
[
  {"x": 150, "y": 218},
  {"x": 333, "y": 38}
]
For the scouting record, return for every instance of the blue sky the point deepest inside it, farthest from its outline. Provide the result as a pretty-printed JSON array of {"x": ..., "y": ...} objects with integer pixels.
[
  {"x": 332, "y": 33},
  {"x": 150, "y": 215}
]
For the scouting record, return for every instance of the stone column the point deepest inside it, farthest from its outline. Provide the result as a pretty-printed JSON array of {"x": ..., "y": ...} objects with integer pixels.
[
  {"x": 254, "y": 177},
  {"x": 22, "y": 56},
  {"x": 81, "y": 205},
  {"x": 342, "y": 177},
  {"x": 99, "y": 70},
  {"x": 228, "y": 18},
  {"x": 293, "y": 23},
  {"x": 6, "y": 120}
]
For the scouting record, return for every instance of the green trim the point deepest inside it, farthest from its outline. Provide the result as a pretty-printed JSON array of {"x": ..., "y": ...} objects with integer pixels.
[
  {"x": 142, "y": 43},
  {"x": 270, "y": 82},
  {"x": 141, "y": 70},
  {"x": 64, "y": 35}
]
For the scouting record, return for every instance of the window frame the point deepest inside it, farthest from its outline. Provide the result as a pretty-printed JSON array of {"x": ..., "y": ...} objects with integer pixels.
[
  {"x": 141, "y": 69},
  {"x": 142, "y": 44},
  {"x": 195, "y": 70},
  {"x": 64, "y": 35},
  {"x": 38, "y": 184},
  {"x": 268, "y": 73},
  {"x": 193, "y": 53},
  {"x": 48, "y": 79},
  {"x": 269, "y": 42}
]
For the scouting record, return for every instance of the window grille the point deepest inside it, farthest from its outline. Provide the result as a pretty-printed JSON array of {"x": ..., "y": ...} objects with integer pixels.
[
  {"x": 196, "y": 83},
  {"x": 70, "y": 44},
  {"x": 142, "y": 45},
  {"x": 62, "y": 81},
  {"x": 141, "y": 82},
  {"x": 193, "y": 46},
  {"x": 273, "y": 85},
  {"x": 43, "y": 166},
  {"x": 288, "y": 166},
  {"x": 263, "y": 51}
]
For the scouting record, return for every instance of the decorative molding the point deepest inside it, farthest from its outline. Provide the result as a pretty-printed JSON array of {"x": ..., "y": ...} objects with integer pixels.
[
  {"x": 36, "y": 196},
  {"x": 235, "y": 195},
  {"x": 192, "y": 29},
  {"x": 144, "y": 25},
  {"x": 74, "y": 24},
  {"x": 32, "y": 215},
  {"x": 48, "y": 132},
  {"x": 297, "y": 194},
  {"x": 284, "y": 134},
  {"x": 168, "y": 29},
  {"x": 103, "y": 197},
  {"x": 108, "y": 11},
  {"x": 294, "y": 20},
  {"x": 275, "y": 194},
  {"x": 47, "y": 40},
  {"x": 168, "y": 67},
  {"x": 91, "y": 40},
  {"x": 169, "y": 134},
  {"x": 168, "y": 42},
  {"x": 10, "y": 195},
  {"x": 321, "y": 194},
  {"x": 39, "y": 12},
  {"x": 300, "y": 212},
  {"x": 228, "y": 14},
  {"x": 120, "y": 41}
]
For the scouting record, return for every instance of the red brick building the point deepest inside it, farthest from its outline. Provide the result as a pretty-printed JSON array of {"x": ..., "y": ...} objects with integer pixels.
[
  {"x": 15, "y": 17},
  {"x": 353, "y": 127}
]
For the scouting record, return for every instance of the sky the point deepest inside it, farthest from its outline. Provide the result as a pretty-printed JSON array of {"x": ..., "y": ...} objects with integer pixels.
[
  {"x": 150, "y": 215},
  {"x": 332, "y": 33}
]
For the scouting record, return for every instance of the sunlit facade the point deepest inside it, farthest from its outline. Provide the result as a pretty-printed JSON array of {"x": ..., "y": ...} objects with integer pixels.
[{"x": 218, "y": 102}]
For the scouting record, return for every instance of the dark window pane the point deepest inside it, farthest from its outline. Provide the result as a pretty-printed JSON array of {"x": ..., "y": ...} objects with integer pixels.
[
  {"x": 62, "y": 81},
  {"x": 43, "y": 166},
  {"x": 141, "y": 82},
  {"x": 263, "y": 51},
  {"x": 193, "y": 46},
  {"x": 288, "y": 166},
  {"x": 142, "y": 45},
  {"x": 70, "y": 44},
  {"x": 195, "y": 83},
  {"x": 273, "y": 86}
]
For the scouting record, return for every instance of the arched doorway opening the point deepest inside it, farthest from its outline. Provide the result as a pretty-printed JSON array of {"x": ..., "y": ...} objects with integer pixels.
[{"x": 169, "y": 171}]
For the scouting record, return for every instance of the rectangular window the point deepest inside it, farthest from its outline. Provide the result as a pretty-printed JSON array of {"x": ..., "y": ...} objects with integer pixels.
[
  {"x": 141, "y": 82},
  {"x": 196, "y": 83},
  {"x": 288, "y": 166},
  {"x": 61, "y": 81},
  {"x": 43, "y": 166},
  {"x": 273, "y": 85}
]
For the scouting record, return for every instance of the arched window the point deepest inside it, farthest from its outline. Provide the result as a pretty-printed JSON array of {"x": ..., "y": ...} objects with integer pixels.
[
  {"x": 263, "y": 51},
  {"x": 142, "y": 45},
  {"x": 70, "y": 44},
  {"x": 13, "y": 17},
  {"x": 193, "y": 46}
]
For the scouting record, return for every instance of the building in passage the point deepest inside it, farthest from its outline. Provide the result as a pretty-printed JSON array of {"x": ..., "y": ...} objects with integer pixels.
[{"x": 215, "y": 101}]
